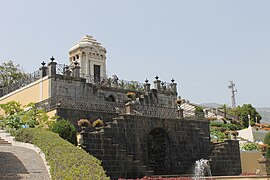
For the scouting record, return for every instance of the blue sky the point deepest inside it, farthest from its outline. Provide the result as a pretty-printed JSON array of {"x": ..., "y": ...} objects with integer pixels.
[{"x": 202, "y": 44}]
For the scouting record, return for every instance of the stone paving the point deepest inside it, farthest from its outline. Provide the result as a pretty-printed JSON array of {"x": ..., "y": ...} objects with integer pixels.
[
  {"x": 21, "y": 160},
  {"x": 21, "y": 163}
]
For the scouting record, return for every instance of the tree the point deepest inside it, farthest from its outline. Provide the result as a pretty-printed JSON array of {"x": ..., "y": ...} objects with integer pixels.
[
  {"x": 224, "y": 107},
  {"x": 10, "y": 73},
  {"x": 16, "y": 117},
  {"x": 244, "y": 111}
]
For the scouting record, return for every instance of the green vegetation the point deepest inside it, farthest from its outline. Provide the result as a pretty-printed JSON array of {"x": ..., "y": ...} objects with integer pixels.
[
  {"x": 65, "y": 129},
  {"x": 16, "y": 117},
  {"x": 229, "y": 126},
  {"x": 220, "y": 136},
  {"x": 66, "y": 161},
  {"x": 10, "y": 73},
  {"x": 249, "y": 146},
  {"x": 267, "y": 141},
  {"x": 243, "y": 111}
]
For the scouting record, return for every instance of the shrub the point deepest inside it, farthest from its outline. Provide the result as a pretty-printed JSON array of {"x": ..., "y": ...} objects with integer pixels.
[
  {"x": 220, "y": 135},
  {"x": 66, "y": 161},
  {"x": 249, "y": 146},
  {"x": 65, "y": 130}
]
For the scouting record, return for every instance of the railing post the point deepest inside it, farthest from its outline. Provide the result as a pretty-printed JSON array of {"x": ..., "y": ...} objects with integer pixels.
[
  {"x": 43, "y": 70},
  {"x": 146, "y": 86},
  {"x": 76, "y": 70},
  {"x": 52, "y": 67},
  {"x": 157, "y": 84},
  {"x": 129, "y": 108},
  {"x": 174, "y": 86}
]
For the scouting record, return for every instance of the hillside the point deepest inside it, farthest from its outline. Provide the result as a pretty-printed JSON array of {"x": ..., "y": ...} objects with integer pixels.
[{"x": 265, "y": 113}]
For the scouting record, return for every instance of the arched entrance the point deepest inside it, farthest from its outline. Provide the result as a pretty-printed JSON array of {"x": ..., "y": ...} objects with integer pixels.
[
  {"x": 159, "y": 151},
  {"x": 111, "y": 98}
]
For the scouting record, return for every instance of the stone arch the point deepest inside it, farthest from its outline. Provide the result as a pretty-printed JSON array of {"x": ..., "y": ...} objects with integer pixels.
[
  {"x": 158, "y": 146},
  {"x": 111, "y": 97}
]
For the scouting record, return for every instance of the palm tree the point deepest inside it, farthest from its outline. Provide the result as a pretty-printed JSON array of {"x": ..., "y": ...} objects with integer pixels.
[{"x": 224, "y": 107}]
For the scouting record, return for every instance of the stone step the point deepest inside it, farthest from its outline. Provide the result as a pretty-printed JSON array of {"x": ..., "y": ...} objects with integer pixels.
[{"x": 4, "y": 142}]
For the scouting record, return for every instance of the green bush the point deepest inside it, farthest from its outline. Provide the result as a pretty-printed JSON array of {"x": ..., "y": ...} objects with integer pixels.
[
  {"x": 249, "y": 146},
  {"x": 229, "y": 126},
  {"x": 66, "y": 161},
  {"x": 66, "y": 130},
  {"x": 267, "y": 141},
  {"x": 220, "y": 135}
]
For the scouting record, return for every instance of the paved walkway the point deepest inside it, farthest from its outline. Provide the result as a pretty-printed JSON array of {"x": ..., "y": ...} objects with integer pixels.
[{"x": 20, "y": 162}]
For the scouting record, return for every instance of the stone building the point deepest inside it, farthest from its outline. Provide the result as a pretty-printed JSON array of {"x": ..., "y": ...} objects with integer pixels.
[{"x": 145, "y": 131}]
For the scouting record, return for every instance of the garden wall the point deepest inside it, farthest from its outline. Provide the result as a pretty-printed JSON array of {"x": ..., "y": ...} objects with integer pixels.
[
  {"x": 134, "y": 146},
  {"x": 225, "y": 159}
]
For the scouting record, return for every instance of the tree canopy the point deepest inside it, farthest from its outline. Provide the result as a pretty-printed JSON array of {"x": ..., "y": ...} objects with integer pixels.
[
  {"x": 10, "y": 73},
  {"x": 17, "y": 116},
  {"x": 244, "y": 111}
]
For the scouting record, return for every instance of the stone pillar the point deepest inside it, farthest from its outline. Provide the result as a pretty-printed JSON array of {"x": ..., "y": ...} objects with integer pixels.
[
  {"x": 157, "y": 84},
  {"x": 52, "y": 67},
  {"x": 87, "y": 65},
  {"x": 43, "y": 70},
  {"x": 147, "y": 86},
  {"x": 163, "y": 85},
  {"x": 129, "y": 108},
  {"x": 76, "y": 70},
  {"x": 174, "y": 86}
]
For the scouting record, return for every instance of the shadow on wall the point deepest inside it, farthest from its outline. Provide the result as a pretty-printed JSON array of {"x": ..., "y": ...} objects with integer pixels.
[{"x": 11, "y": 166}]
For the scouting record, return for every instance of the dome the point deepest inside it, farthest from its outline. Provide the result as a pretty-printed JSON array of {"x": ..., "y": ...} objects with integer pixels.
[{"x": 87, "y": 41}]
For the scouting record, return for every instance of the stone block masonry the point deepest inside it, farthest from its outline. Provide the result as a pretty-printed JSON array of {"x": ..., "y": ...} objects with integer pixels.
[{"x": 134, "y": 146}]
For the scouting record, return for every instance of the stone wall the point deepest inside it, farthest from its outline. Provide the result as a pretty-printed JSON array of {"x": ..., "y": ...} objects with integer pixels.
[
  {"x": 67, "y": 86},
  {"x": 225, "y": 159},
  {"x": 134, "y": 146}
]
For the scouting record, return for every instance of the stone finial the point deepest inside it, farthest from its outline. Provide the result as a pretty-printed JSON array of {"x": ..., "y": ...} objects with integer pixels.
[
  {"x": 52, "y": 59},
  {"x": 43, "y": 70},
  {"x": 52, "y": 67}
]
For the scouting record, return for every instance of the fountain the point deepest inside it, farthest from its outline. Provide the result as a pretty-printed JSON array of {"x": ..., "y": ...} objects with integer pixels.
[{"x": 202, "y": 169}]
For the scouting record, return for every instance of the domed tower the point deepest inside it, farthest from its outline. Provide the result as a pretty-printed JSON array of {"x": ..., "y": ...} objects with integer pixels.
[{"x": 91, "y": 56}]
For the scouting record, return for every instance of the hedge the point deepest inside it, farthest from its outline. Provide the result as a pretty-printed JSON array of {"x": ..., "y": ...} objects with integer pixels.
[{"x": 66, "y": 161}]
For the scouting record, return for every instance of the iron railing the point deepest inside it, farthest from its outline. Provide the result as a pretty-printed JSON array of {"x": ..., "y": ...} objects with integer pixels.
[
  {"x": 23, "y": 81},
  {"x": 114, "y": 83},
  {"x": 96, "y": 105}
]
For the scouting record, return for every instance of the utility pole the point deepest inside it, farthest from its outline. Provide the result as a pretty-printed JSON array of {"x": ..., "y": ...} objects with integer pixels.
[{"x": 232, "y": 87}]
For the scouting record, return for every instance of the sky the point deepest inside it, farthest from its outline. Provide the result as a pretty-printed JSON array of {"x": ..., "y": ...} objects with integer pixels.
[{"x": 201, "y": 44}]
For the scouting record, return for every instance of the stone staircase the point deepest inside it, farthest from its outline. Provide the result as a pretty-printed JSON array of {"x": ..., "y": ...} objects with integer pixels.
[
  {"x": 116, "y": 158},
  {"x": 4, "y": 142}
]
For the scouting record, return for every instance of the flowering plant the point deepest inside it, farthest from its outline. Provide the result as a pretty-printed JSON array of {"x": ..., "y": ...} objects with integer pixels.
[
  {"x": 263, "y": 147},
  {"x": 97, "y": 122},
  {"x": 84, "y": 122},
  {"x": 131, "y": 95}
]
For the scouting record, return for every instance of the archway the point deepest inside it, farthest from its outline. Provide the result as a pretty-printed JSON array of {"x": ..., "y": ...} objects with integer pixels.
[
  {"x": 159, "y": 151},
  {"x": 111, "y": 98}
]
